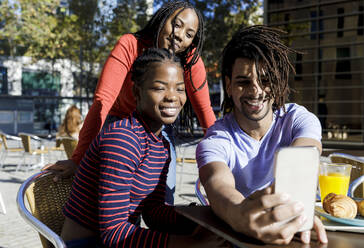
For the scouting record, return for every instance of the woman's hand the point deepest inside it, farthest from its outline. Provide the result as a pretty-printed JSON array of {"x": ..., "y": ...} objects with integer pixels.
[
  {"x": 201, "y": 237},
  {"x": 62, "y": 169}
]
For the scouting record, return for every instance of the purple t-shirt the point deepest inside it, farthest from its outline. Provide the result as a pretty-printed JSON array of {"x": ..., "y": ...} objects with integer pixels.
[{"x": 250, "y": 160}]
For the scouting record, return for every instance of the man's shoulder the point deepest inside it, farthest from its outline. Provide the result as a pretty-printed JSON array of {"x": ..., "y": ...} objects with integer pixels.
[
  {"x": 291, "y": 109},
  {"x": 221, "y": 128}
]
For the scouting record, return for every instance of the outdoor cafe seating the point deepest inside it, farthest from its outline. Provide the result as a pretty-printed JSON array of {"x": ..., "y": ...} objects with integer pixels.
[
  {"x": 7, "y": 150},
  {"x": 32, "y": 150},
  {"x": 46, "y": 199},
  {"x": 2, "y": 205}
]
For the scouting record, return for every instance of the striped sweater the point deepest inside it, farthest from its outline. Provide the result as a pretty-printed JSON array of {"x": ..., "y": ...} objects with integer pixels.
[{"x": 123, "y": 175}]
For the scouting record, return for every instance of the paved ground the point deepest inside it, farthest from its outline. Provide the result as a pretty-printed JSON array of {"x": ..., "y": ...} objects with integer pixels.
[{"x": 15, "y": 233}]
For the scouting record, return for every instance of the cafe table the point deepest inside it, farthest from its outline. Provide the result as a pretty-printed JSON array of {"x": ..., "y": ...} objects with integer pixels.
[{"x": 204, "y": 216}]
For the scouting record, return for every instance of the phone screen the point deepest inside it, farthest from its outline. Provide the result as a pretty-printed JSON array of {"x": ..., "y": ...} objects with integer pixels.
[{"x": 296, "y": 173}]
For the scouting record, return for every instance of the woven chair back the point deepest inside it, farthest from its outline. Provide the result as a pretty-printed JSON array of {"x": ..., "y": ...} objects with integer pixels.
[
  {"x": 25, "y": 139},
  {"x": 46, "y": 199},
  {"x": 58, "y": 142},
  {"x": 69, "y": 145},
  {"x": 3, "y": 138}
]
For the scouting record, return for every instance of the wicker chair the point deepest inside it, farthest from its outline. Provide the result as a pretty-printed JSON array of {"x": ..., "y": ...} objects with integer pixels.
[
  {"x": 46, "y": 199},
  {"x": 31, "y": 152},
  {"x": 56, "y": 152},
  {"x": 8, "y": 150},
  {"x": 69, "y": 145}
]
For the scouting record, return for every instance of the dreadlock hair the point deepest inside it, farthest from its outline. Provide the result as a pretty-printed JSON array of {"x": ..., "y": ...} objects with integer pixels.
[
  {"x": 189, "y": 57},
  {"x": 143, "y": 63},
  {"x": 157, "y": 22},
  {"x": 262, "y": 45}
]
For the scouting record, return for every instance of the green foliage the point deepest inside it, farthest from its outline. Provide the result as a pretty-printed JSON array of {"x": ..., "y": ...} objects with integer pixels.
[
  {"x": 86, "y": 31},
  {"x": 9, "y": 28},
  {"x": 45, "y": 33},
  {"x": 127, "y": 17}
]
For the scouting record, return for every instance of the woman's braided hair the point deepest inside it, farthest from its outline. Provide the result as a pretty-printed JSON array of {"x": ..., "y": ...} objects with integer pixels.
[
  {"x": 157, "y": 22},
  {"x": 189, "y": 57},
  {"x": 262, "y": 45},
  {"x": 143, "y": 63}
]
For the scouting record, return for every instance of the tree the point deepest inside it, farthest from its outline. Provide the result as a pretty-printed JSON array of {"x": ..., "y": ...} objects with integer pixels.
[
  {"x": 9, "y": 28},
  {"x": 45, "y": 31},
  {"x": 100, "y": 25},
  {"x": 126, "y": 17},
  {"x": 222, "y": 18}
]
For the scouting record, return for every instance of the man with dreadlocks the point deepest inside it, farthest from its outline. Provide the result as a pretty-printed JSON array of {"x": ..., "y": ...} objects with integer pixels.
[{"x": 235, "y": 158}]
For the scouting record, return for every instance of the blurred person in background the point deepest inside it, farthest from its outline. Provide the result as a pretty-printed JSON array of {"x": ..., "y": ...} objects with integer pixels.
[{"x": 71, "y": 124}]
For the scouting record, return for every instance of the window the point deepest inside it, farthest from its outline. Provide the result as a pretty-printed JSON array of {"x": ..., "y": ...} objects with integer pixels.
[
  {"x": 40, "y": 83},
  {"x": 25, "y": 117},
  {"x": 6, "y": 117},
  {"x": 343, "y": 63},
  {"x": 340, "y": 22},
  {"x": 3, "y": 80},
  {"x": 298, "y": 67},
  {"x": 276, "y": 3},
  {"x": 319, "y": 77},
  {"x": 316, "y": 25},
  {"x": 361, "y": 21}
]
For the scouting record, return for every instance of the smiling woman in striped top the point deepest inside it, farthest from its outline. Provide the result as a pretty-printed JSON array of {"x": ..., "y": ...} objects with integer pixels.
[{"x": 123, "y": 173}]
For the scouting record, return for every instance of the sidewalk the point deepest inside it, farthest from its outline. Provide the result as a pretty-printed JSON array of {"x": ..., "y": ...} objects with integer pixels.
[{"x": 16, "y": 233}]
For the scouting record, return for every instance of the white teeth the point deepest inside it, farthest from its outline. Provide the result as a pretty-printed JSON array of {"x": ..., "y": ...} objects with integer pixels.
[
  {"x": 169, "y": 111},
  {"x": 254, "y": 103}
]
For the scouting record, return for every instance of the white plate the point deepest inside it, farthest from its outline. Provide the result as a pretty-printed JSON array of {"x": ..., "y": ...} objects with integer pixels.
[{"x": 332, "y": 223}]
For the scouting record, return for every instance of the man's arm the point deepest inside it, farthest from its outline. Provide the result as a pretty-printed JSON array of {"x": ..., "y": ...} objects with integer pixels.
[
  {"x": 219, "y": 184},
  {"x": 307, "y": 142}
]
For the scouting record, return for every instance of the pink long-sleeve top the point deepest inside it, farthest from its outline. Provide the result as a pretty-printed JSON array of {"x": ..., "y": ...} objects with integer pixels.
[{"x": 114, "y": 95}]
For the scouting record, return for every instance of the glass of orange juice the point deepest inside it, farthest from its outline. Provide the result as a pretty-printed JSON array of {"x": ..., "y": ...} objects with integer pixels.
[{"x": 334, "y": 178}]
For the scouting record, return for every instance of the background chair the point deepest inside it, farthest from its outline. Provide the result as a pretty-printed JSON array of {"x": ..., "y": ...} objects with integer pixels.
[
  {"x": 56, "y": 151},
  {"x": 6, "y": 150},
  {"x": 356, "y": 172},
  {"x": 69, "y": 145},
  {"x": 2, "y": 205},
  {"x": 186, "y": 154},
  {"x": 32, "y": 150},
  {"x": 46, "y": 199},
  {"x": 201, "y": 196}
]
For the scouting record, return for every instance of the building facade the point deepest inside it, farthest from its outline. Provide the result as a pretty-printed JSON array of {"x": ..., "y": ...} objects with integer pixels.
[
  {"x": 329, "y": 78},
  {"x": 34, "y": 96}
]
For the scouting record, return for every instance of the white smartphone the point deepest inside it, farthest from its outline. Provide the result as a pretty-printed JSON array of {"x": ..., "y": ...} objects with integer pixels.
[{"x": 296, "y": 173}]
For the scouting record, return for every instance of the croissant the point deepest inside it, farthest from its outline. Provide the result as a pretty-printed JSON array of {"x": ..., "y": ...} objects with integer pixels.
[
  {"x": 340, "y": 206},
  {"x": 360, "y": 205}
]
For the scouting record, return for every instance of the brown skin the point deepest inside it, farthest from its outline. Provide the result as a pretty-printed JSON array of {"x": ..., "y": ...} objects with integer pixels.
[
  {"x": 162, "y": 95},
  {"x": 185, "y": 29},
  {"x": 254, "y": 216},
  {"x": 159, "y": 100}
]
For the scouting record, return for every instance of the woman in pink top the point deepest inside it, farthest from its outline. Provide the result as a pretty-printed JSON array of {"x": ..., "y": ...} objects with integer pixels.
[{"x": 177, "y": 26}]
